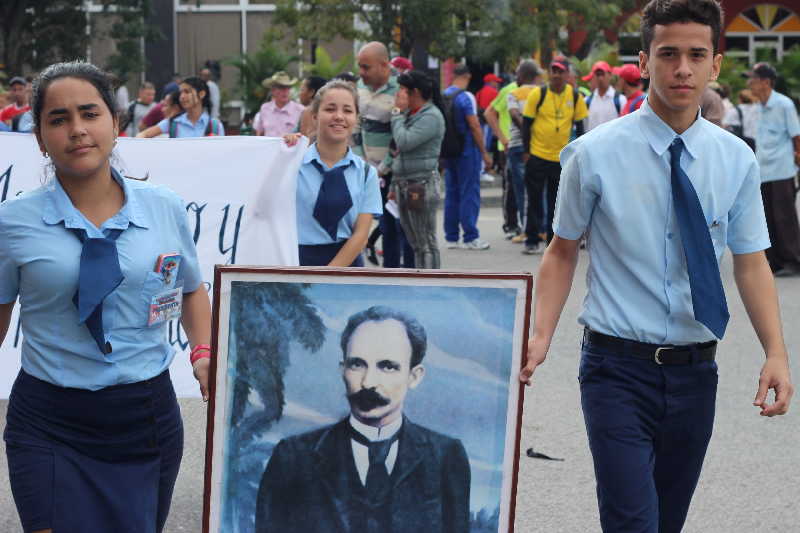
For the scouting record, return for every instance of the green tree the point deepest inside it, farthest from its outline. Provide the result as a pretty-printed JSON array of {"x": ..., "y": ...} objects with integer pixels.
[
  {"x": 403, "y": 25},
  {"x": 127, "y": 31},
  {"x": 731, "y": 74},
  {"x": 256, "y": 67},
  {"x": 269, "y": 317},
  {"x": 789, "y": 73},
  {"x": 326, "y": 67},
  {"x": 36, "y": 33},
  {"x": 316, "y": 21}
]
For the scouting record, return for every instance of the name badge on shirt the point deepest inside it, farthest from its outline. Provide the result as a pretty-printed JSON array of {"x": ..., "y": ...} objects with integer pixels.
[{"x": 165, "y": 306}]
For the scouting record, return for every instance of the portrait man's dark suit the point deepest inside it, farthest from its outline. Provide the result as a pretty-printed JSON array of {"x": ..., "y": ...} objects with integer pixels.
[{"x": 311, "y": 485}]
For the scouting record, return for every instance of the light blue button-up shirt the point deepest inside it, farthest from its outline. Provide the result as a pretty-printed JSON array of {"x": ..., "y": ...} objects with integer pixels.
[
  {"x": 362, "y": 182},
  {"x": 616, "y": 185},
  {"x": 777, "y": 127},
  {"x": 185, "y": 128},
  {"x": 40, "y": 259}
]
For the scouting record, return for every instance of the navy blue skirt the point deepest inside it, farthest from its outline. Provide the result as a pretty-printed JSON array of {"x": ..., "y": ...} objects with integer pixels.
[
  {"x": 103, "y": 460},
  {"x": 322, "y": 254}
]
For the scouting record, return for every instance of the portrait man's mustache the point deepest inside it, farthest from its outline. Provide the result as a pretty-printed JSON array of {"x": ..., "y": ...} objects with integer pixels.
[{"x": 367, "y": 399}]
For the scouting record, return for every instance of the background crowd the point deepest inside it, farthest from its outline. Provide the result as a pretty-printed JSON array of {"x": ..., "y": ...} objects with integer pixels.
[{"x": 430, "y": 146}]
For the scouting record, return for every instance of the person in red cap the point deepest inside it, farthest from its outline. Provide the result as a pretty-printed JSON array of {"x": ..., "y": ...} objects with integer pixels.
[
  {"x": 489, "y": 91},
  {"x": 604, "y": 103},
  {"x": 485, "y": 97},
  {"x": 631, "y": 86}
]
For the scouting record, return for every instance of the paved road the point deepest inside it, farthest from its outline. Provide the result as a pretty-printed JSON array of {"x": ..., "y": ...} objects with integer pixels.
[{"x": 751, "y": 479}]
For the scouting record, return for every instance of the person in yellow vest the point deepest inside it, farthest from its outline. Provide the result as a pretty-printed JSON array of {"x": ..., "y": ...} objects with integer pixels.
[{"x": 548, "y": 117}]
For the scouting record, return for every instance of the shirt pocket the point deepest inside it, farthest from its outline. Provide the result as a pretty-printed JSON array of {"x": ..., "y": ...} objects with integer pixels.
[
  {"x": 718, "y": 229},
  {"x": 152, "y": 285}
]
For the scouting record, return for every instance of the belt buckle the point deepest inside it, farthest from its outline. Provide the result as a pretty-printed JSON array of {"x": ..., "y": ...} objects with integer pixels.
[{"x": 657, "y": 357}]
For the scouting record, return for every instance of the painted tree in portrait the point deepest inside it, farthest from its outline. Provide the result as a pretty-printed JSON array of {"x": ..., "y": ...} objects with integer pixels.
[{"x": 268, "y": 318}]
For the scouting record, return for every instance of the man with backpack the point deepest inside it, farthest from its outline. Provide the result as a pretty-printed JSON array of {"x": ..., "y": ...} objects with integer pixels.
[
  {"x": 137, "y": 109},
  {"x": 604, "y": 103},
  {"x": 463, "y": 149},
  {"x": 548, "y": 118}
]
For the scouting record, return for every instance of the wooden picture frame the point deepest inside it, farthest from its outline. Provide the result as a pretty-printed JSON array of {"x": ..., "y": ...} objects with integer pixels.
[{"x": 286, "y": 388}]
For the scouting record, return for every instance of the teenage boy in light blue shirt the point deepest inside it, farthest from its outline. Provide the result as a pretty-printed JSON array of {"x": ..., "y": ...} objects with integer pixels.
[{"x": 659, "y": 215}]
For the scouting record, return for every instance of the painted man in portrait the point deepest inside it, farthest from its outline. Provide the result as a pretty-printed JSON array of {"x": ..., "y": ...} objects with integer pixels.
[{"x": 374, "y": 471}]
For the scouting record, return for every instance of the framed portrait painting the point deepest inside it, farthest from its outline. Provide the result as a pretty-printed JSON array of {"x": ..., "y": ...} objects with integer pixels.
[{"x": 353, "y": 400}]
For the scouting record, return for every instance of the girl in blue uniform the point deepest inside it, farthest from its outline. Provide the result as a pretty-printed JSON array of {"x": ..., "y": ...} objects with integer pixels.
[
  {"x": 94, "y": 435},
  {"x": 337, "y": 192},
  {"x": 195, "y": 121}
]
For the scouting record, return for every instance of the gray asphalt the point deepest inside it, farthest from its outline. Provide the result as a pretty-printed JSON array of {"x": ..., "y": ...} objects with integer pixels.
[{"x": 751, "y": 478}]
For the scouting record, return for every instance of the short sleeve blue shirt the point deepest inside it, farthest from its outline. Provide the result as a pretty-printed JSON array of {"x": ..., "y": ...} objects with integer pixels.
[
  {"x": 638, "y": 285},
  {"x": 39, "y": 262},
  {"x": 185, "y": 128},
  {"x": 362, "y": 182},
  {"x": 777, "y": 127},
  {"x": 464, "y": 106}
]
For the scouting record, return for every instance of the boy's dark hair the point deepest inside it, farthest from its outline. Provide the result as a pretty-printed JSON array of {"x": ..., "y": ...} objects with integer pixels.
[{"x": 707, "y": 12}]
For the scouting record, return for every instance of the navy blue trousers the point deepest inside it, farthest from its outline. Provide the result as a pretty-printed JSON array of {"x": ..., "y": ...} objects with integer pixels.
[
  {"x": 649, "y": 426},
  {"x": 103, "y": 460},
  {"x": 396, "y": 250},
  {"x": 323, "y": 254}
]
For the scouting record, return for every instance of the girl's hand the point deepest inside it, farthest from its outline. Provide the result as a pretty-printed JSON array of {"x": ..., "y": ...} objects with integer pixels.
[
  {"x": 201, "y": 371},
  {"x": 292, "y": 139}
]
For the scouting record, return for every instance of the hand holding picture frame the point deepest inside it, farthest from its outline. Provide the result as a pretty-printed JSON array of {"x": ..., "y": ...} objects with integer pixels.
[{"x": 350, "y": 400}]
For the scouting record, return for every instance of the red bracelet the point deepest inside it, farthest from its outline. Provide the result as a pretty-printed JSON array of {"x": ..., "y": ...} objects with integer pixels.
[{"x": 201, "y": 351}]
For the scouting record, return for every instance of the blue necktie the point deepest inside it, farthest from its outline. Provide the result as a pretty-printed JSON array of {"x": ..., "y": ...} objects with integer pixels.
[
  {"x": 99, "y": 275},
  {"x": 708, "y": 296},
  {"x": 333, "y": 200}
]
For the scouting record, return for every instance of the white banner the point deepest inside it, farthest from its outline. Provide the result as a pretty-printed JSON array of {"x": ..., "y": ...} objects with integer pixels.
[{"x": 240, "y": 200}]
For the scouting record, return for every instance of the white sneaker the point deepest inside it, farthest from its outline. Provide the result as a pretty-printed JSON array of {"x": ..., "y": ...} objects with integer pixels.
[
  {"x": 487, "y": 178},
  {"x": 477, "y": 244},
  {"x": 453, "y": 245}
]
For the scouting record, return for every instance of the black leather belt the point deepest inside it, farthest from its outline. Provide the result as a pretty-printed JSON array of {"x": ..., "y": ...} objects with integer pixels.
[{"x": 660, "y": 354}]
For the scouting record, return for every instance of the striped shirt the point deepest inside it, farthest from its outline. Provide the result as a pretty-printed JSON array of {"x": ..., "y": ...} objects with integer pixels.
[{"x": 375, "y": 109}]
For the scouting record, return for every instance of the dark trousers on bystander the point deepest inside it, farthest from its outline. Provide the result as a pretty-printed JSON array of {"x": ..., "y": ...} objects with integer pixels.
[
  {"x": 540, "y": 174},
  {"x": 784, "y": 231}
]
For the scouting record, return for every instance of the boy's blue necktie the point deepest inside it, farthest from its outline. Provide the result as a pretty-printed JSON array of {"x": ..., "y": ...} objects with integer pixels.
[
  {"x": 99, "y": 275},
  {"x": 333, "y": 200},
  {"x": 708, "y": 296}
]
